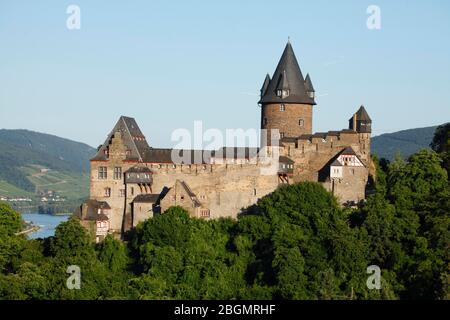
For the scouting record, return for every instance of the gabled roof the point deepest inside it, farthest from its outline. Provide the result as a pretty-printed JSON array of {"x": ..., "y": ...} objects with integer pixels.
[
  {"x": 288, "y": 74},
  {"x": 185, "y": 187},
  {"x": 132, "y": 137},
  {"x": 92, "y": 208},
  {"x": 348, "y": 151}
]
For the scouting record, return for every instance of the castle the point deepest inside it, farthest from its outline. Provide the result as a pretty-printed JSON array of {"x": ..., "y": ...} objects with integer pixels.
[{"x": 131, "y": 181}]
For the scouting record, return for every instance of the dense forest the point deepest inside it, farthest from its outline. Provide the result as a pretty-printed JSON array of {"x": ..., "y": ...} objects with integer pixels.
[{"x": 296, "y": 243}]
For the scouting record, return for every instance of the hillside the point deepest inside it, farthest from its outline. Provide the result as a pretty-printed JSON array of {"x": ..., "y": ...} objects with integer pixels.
[
  {"x": 36, "y": 166},
  {"x": 405, "y": 142}
]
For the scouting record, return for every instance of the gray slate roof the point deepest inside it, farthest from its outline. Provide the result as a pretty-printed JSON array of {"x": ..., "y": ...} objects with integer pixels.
[
  {"x": 287, "y": 75},
  {"x": 362, "y": 114},
  {"x": 308, "y": 84},
  {"x": 132, "y": 138},
  {"x": 146, "y": 198},
  {"x": 139, "y": 169},
  {"x": 92, "y": 208}
]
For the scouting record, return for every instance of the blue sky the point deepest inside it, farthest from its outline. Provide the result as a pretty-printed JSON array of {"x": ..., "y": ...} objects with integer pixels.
[{"x": 169, "y": 63}]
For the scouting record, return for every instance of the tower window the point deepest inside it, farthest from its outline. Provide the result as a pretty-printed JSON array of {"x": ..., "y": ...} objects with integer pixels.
[
  {"x": 282, "y": 107},
  {"x": 301, "y": 123}
]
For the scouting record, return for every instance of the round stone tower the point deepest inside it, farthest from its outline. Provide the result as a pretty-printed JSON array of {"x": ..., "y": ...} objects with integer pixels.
[{"x": 287, "y": 99}]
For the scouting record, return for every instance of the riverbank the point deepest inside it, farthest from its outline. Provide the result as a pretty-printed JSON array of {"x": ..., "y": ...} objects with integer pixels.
[{"x": 42, "y": 225}]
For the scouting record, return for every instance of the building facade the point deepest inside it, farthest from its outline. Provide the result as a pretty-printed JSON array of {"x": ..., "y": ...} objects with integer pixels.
[{"x": 131, "y": 181}]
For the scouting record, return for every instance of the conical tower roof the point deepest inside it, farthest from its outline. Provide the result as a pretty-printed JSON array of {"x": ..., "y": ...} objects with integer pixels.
[
  {"x": 288, "y": 74},
  {"x": 265, "y": 85},
  {"x": 308, "y": 84}
]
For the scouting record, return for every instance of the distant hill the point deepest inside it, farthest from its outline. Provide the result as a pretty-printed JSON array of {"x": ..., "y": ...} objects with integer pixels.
[
  {"x": 405, "y": 142},
  {"x": 33, "y": 163}
]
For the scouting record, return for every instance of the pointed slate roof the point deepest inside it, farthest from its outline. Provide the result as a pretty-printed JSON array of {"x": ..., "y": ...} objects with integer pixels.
[
  {"x": 265, "y": 85},
  {"x": 308, "y": 84},
  {"x": 362, "y": 114},
  {"x": 132, "y": 137},
  {"x": 289, "y": 75},
  {"x": 283, "y": 84}
]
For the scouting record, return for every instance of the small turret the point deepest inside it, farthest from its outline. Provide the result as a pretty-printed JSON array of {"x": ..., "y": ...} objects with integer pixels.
[
  {"x": 309, "y": 87},
  {"x": 361, "y": 122},
  {"x": 265, "y": 85}
]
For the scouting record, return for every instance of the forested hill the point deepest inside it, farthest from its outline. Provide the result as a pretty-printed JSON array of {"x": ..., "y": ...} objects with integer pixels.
[
  {"x": 32, "y": 161},
  {"x": 405, "y": 142},
  {"x": 46, "y": 149}
]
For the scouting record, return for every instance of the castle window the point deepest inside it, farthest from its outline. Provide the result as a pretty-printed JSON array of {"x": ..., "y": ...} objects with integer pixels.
[
  {"x": 281, "y": 135},
  {"x": 102, "y": 173},
  {"x": 132, "y": 191},
  {"x": 182, "y": 198},
  {"x": 205, "y": 213},
  {"x": 301, "y": 123},
  {"x": 122, "y": 192},
  {"x": 107, "y": 192},
  {"x": 282, "y": 107},
  {"x": 117, "y": 173}
]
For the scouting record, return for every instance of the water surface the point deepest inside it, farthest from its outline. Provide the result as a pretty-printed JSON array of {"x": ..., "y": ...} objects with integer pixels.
[{"x": 46, "y": 222}]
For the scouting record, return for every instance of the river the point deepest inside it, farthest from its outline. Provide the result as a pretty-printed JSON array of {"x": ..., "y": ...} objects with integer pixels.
[{"x": 46, "y": 222}]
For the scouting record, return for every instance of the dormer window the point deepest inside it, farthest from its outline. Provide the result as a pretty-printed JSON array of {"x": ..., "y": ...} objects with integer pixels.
[
  {"x": 311, "y": 94},
  {"x": 283, "y": 93}
]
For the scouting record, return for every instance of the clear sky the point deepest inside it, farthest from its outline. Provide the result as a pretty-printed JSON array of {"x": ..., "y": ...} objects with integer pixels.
[{"x": 169, "y": 63}]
